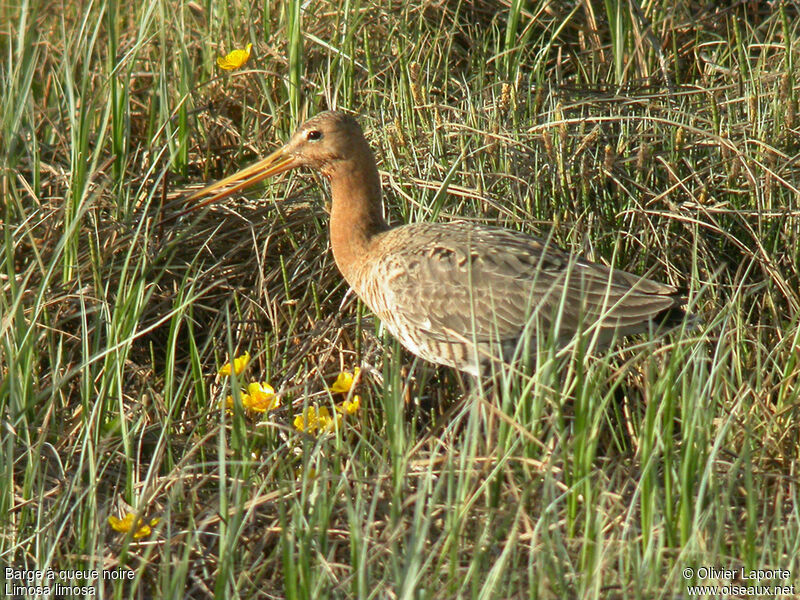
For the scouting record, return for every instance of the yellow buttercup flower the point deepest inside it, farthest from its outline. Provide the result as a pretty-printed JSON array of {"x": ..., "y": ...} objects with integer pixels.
[
  {"x": 344, "y": 381},
  {"x": 260, "y": 397},
  {"x": 234, "y": 59},
  {"x": 349, "y": 407},
  {"x": 298, "y": 473},
  {"x": 239, "y": 365},
  {"x": 316, "y": 420},
  {"x": 125, "y": 524}
]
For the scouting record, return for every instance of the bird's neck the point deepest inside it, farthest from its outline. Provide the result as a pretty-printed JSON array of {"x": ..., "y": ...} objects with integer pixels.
[{"x": 356, "y": 211}]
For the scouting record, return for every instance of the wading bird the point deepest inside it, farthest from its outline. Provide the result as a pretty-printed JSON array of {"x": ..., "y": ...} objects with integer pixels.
[{"x": 457, "y": 294}]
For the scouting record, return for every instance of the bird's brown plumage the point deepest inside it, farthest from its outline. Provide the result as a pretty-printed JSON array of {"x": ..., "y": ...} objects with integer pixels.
[{"x": 457, "y": 294}]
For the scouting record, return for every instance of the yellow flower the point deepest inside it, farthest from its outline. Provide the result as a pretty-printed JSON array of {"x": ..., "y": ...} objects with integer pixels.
[
  {"x": 125, "y": 524},
  {"x": 344, "y": 381},
  {"x": 260, "y": 397},
  {"x": 349, "y": 407},
  {"x": 316, "y": 420},
  {"x": 239, "y": 365},
  {"x": 298, "y": 473},
  {"x": 234, "y": 59}
]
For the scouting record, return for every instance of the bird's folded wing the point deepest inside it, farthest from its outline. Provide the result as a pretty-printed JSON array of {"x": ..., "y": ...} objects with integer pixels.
[{"x": 486, "y": 283}]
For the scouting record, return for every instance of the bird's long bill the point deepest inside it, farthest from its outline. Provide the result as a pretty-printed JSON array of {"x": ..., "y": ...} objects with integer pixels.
[{"x": 277, "y": 162}]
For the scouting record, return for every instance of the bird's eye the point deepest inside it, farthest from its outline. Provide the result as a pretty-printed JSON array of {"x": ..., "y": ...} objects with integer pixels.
[{"x": 314, "y": 135}]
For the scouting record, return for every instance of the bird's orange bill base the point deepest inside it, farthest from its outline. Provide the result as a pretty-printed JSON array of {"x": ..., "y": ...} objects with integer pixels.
[{"x": 277, "y": 162}]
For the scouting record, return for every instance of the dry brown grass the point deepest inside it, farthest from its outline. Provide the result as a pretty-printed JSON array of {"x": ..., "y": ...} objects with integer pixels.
[{"x": 588, "y": 480}]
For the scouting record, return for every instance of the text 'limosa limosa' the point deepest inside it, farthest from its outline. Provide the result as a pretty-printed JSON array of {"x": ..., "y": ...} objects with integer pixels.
[{"x": 457, "y": 294}]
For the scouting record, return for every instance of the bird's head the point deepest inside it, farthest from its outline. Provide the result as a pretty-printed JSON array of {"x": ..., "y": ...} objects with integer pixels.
[{"x": 323, "y": 142}]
